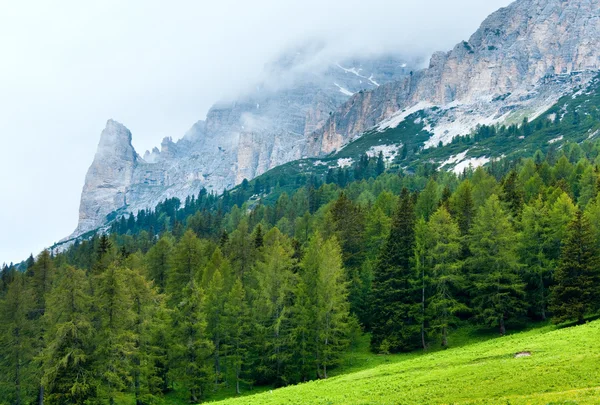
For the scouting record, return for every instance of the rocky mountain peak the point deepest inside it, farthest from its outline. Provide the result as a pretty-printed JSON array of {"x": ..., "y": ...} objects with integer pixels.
[
  {"x": 514, "y": 61},
  {"x": 109, "y": 177}
]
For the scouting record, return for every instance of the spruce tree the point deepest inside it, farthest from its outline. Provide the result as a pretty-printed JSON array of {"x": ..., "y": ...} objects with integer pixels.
[
  {"x": 498, "y": 291},
  {"x": 577, "y": 277},
  {"x": 396, "y": 300},
  {"x": 463, "y": 207}
]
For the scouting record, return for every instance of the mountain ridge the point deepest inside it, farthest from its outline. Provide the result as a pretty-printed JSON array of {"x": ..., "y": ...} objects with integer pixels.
[{"x": 518, "y": 64}]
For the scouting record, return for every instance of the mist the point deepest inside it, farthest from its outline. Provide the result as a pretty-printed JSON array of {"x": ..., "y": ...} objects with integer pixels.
[{"x": 157, "y": 67}]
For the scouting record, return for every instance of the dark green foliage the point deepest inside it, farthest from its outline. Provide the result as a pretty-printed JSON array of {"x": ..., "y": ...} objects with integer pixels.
[
  {"x": 395, "y": 295},
  {"x": 577, "y": 276},
  {"x": 226, "y": 293}
]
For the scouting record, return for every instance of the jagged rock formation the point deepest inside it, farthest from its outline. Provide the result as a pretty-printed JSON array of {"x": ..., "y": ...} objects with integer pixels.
[
  {"x": 521, "y": 60},
  {"x": 239, "y": 139},
  {"x": 109, "y": 178}
]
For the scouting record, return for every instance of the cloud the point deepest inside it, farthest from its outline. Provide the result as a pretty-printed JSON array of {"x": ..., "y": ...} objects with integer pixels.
[{"x": 157, "y": 66}]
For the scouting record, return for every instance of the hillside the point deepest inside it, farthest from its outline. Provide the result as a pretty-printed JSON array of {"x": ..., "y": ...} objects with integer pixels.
[{"x": 563, "y": 369}]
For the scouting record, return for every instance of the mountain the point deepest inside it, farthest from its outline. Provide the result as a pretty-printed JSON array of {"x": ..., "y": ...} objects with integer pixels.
[
  {"x": 520, "y": 61},
  {"x": 519, "y": 64},
  {"x": 239, "y": 139}
]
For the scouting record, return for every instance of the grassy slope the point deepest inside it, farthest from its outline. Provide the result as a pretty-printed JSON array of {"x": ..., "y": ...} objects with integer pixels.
[{"x": 564, "y": 368}]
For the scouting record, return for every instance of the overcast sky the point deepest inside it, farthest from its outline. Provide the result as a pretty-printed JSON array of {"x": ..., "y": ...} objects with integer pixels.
[{"x": 157, "y": 66}]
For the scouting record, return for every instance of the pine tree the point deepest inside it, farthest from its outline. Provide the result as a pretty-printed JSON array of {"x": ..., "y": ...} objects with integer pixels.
[
  {"x": 498, "y": 292},
  {"x": 67, "y": 359},
  {"x": 445, "y": 274},
  {"x": 577, "y": 277},
  {"x": 396, "y": 300}
]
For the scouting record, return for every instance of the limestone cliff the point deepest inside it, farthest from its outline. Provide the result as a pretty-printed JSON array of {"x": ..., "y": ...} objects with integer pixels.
[
  {"x": 109, "y": 177},
  {"x": 518, "y": 49},
  {"x": 238, "y": 139}
]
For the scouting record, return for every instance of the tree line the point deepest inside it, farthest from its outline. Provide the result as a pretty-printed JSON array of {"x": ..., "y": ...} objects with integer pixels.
[{"x": 275, "y": 293}]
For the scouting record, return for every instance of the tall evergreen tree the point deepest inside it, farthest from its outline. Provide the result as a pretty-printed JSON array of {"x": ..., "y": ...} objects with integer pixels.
[
  {"x": 158, "y": 260},
  {"x": 463, "y": 207},
  {"x": 577, "y": 278},
  {"x": 396, "y": 302}
]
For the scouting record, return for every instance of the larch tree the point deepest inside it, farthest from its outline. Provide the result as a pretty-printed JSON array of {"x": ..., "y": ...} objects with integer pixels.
[
  {"x": 115, "y": 336},
  {"x": 237, "y": 327},
  {"x": 445, "y": 276},
  {"x": 67, "y": 358},
  {"x": 533, "y": 253},
  {"x": 498, "y": 292},
  {"x": 186, "y": 262},
  {"x": 17, "y": 343},
  {"x": 192, "y": 345}
]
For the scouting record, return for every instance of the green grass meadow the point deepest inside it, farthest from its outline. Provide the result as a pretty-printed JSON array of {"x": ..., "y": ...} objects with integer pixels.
[{"x": 564, "y": 368}]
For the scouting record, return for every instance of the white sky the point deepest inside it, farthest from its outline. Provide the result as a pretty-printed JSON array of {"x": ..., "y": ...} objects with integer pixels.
[{"x": 66, "y": 66}]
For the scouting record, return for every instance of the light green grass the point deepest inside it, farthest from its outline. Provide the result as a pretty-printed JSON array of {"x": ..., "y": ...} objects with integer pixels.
[{"x": 564, "y": 369}]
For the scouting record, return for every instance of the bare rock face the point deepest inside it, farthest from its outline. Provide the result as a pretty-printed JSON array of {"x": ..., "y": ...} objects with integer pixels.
[
  {"x": 109, "y": 178},
  {"x": 516, "y": 50},
  {"x": 239, "y": 139},
  {"x": 520, "y": 61}
]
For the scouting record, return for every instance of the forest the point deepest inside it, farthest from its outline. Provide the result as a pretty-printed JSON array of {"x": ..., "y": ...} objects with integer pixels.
[{"x": 271, "y": 283}]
